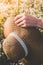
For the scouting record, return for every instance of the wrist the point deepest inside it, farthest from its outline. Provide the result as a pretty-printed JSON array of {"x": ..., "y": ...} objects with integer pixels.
[
  {"x": 39, "y": 23},
  {"x": 35, "y": 22}
]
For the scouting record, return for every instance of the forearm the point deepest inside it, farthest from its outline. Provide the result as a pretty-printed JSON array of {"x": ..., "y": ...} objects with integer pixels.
[
  {"x": 39, "y": 23},
  {"x": 26, "y": 20}
]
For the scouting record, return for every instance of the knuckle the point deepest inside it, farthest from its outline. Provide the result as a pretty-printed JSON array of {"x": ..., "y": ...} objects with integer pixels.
[
  {"x": 24, "y": 16},
  {"x": 25, "y": 24},
  {"x": 25, "y": 21}
]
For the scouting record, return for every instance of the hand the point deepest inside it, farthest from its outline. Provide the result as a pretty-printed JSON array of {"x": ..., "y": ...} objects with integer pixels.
[{"x": 25, "y": 20}]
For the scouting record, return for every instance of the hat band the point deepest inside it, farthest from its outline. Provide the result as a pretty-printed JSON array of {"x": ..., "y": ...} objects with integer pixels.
[{"x": 13, "y": 34}]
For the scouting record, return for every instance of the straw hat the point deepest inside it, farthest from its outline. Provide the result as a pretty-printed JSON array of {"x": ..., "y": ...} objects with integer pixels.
[{"x": 22, "y": 43}]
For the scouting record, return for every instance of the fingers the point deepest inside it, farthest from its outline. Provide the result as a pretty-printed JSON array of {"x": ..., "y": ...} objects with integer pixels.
[
  {"x": 19, "y": 20},
  {"x": 18, "y": 17},
  {"x": 21, "y": 23},
  {"x": 24, "y": 25}
]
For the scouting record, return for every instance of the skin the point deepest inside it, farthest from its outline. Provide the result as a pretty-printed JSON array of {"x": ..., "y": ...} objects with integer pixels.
[{"x": 25, "y": 20}]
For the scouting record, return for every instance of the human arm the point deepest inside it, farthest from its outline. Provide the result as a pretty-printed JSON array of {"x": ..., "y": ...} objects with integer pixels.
[
  {"x": 39, "y": 23},
  {"x": 25, "y": 20}
]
